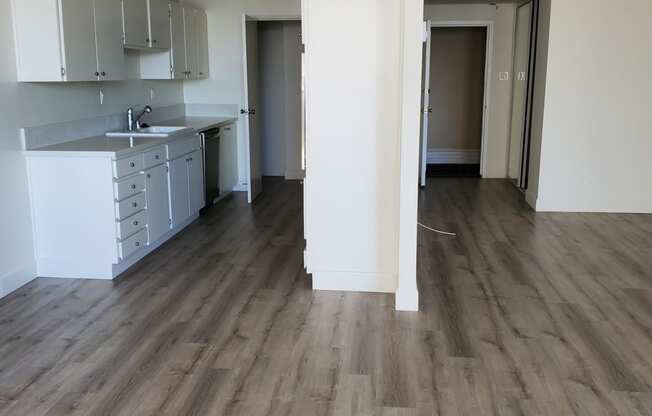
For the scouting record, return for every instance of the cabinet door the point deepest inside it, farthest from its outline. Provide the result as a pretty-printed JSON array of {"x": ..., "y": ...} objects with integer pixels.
[
  {"x": 78, "y": 35},
  {"x": 178, "y": 42},
  {"x": 159, "y": 24},
  {"x": 110, "y": 52},
  {"x": 196, "y": 190},
  {"x": 158, "y": 202},
  {"x": 202, "y": 45},
  {"x": 228, "y": 159},
  {"x": 178, "y": 188},
  {"x": 134, "y": 23},
  {"x": 190, "y": 31}
]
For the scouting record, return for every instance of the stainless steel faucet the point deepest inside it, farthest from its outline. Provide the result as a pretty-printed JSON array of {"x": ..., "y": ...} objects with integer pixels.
[{"x": 134, "y": 123}]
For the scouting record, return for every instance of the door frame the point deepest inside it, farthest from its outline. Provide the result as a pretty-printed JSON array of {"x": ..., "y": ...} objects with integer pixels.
[
  {"x": 489, "y": 48},
  {"x": 257, "y": 17}
]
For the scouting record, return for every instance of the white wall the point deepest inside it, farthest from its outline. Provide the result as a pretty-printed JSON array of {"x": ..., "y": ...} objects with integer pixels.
[
  {"x": 37, "y": 104},
  {"x": 596, "y": 144},
  {"x": 354, "y": 103},
  {"x": 226, "y": 84},
  {"x": 500, "y": 99}
]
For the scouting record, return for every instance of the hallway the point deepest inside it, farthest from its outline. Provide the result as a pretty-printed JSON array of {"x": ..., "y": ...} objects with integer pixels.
[{"x": 522, "y": 314}]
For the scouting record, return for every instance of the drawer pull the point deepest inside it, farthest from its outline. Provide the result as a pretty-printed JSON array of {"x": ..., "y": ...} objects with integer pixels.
[
  {"x": 149, "y": 176},
  {"x": 137, "y": 243},
  {"x": 132, "y": 164},
  {"x": 133, "y": 186},
  {"x": 135, "y": 204},
  {"x": 135, "y": 223},
  {"x": 157, "y": 157}
]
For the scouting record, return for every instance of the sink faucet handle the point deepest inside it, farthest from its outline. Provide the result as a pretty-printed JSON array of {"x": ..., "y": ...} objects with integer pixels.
[{"x": 130, "y": 119}]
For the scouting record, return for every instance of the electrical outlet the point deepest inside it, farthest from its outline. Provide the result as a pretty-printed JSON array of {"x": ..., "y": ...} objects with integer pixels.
[
  {"x": 101, "y": 97},
  {"x": 504, "y": 76}
]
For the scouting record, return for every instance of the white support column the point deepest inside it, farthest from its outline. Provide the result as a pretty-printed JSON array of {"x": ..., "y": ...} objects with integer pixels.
[{"x": 407, "y": 294}]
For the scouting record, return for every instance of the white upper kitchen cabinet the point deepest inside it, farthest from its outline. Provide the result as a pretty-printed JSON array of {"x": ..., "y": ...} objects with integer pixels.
[
  {"x": 135, "y": 23},
  {"x": 159, "y": 24},
  {"x": 190, "y": 29},
  {"x": 110, "y": 53},
  {"x": 68, "y": 40},
  {"x": 146, "y": 24},
  {"x": 202, "y": 45},
  {"x": 188, "y": 55}
]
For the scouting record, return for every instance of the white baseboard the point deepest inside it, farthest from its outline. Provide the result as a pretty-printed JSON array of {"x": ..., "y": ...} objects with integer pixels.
[
  {"x": 240, "y": 188},
  {"x": 453, "y": 157},
  {"x": 407, "y": 300},
  {"x": 15, "y": 279},
  {"x": 354, "y": 282}
]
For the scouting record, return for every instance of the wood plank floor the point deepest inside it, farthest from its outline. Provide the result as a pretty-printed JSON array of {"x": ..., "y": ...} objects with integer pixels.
[{"x": 522, "y": 314}]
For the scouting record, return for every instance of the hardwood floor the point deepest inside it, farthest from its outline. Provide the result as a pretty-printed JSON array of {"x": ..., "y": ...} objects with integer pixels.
[{"x": 522, "y": 314}]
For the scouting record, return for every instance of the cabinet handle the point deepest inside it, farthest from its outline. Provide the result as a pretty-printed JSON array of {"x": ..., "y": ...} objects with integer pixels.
[
  {"x": 155, "y": 41},
  {"x": 149, "y": 176},
  {"x": 137, "y": 243},
  {"x": 135, "y": 223},
  {"x": 132, "y": 164},
  {"x": 133, "y": 186},
  {"x": 135, "y": 204},
  {"x": 157, "y": 157},
  {"x": 147, "y": 40},
  {"x": 103, "y": 73},
  {"x": 97, "y": 74}
]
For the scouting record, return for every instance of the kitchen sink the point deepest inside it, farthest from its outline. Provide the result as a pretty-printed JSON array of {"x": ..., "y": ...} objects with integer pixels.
[{"x": 162, "y": 132}]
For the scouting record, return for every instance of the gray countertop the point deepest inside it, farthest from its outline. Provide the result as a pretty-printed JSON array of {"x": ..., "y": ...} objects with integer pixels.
[{"x": 119, "y": 146}]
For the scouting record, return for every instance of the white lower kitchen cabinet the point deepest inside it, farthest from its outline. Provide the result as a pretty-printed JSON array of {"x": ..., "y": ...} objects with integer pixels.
[{"x": 97, "y": 213}]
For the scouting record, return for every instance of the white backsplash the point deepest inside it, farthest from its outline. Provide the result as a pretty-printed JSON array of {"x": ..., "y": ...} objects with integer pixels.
[{"x": 50, "y": 134}]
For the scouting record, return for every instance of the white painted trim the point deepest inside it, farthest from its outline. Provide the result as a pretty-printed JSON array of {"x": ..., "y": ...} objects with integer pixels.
[
  {"x": 354, "y": 282},
  {"x": 487, "y": 77},
  {"x": 407, "y": 293},
  {"x": 454, "y": 156}
]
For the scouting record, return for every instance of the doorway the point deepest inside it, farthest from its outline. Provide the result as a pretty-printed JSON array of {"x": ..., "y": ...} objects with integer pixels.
[
  {"x": 272, "y": 55},
  {"x": 454, "y": 100}
]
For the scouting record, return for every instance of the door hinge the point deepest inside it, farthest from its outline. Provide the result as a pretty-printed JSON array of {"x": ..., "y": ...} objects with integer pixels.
[
  {"x": 303, "y": 48},
  {"x": 63, "y": 71},
  {"x": 170, "y": 221}
]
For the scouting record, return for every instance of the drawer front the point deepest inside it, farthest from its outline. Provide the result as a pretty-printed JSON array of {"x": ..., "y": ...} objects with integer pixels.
[
  {"x": 155, "y": 157},
  {"x": 132, "y": 244},
  {"x": 129, "y": 187},
  {"x": 130, "y": 206},
  {"x": 182, "y": 147},
  {"x": 128, "y": 165},
  {"x": 130, "y": 226}
]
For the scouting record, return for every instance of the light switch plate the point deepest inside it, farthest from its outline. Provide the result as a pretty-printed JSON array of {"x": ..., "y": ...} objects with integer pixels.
[{"x": 504, "y": 76}]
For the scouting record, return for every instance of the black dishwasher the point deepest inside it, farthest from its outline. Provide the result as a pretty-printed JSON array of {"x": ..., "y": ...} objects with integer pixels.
[{"x": 211, "y": 151}]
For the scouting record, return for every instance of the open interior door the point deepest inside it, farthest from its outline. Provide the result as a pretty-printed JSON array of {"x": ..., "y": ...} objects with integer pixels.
[
  {"x": 251, "y": 130},
  {"x": 427, "y": 110}
]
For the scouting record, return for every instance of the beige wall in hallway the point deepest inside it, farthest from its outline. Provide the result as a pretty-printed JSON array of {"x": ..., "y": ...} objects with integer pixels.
[{"x": 457, "y": 83}]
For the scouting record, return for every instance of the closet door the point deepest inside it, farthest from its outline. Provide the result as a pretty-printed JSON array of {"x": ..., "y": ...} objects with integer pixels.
[
  {"x": 78, "y": 40},
  {"x": 110, "y": 52},
  {"x": 135, "y": 23}
]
